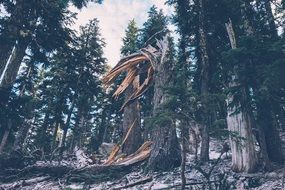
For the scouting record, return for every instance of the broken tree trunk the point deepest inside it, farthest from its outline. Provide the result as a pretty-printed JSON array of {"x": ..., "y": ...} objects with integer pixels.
[
  {"x": 132, "y": 114},
  {"x": 166, "y": 150}
]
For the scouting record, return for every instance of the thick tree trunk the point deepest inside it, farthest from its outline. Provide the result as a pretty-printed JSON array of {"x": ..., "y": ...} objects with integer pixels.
[
  {"x": 132, "y": 118},
  {"x": 204, "y": 155},
  {"x": 165, "y": 152},
  {"x": 244, "y": 158},
  {"x": 271, "y": 134}
]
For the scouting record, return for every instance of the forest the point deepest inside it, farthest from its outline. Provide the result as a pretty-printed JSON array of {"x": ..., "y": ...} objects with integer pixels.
[{"x": 205, "y": 111}]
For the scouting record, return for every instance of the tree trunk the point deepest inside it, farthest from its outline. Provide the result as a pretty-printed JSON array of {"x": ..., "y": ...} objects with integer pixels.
[
  {"x": 5, "y": 136},
  {"x": 265, "y": 4},
  {"x": 165, "y": 152},
  {"x": 183, "y": 154},
  {"x": 194, "y": 140},
  {"x": 244, "y": 157},
  {"x": 66, "y": 126},
  {"x": 240, "y": 124},
  {"x": 99, "y": 138},
  {"x": 14, "y": 63},
  {"x": 54, "y": 136},
  {"x": 5, "y": 50},
  {"x": 42, "y": 138},
  {"x": 204, "y": 155},
  {"x": 132, "y": 118},
  {"x": 77, "y": 134},
  {"x": 22, "y": 134},
  {"x": 24, "y": 129},
  {"x": 272, "y": 138}
]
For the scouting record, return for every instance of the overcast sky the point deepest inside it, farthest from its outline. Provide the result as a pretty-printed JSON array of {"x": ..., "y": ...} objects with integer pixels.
[{"x": 114, "y": 16}]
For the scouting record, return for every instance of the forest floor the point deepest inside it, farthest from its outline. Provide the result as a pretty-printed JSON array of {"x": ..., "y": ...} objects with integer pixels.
[{"x": 217, "y": 174}]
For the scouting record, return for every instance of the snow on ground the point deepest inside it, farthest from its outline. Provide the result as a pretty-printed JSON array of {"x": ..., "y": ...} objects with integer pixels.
[{"x": 222, "y": 174}]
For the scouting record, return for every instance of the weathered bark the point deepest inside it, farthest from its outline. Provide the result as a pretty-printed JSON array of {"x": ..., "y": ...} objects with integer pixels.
[
  {"x": 244, "y": 157},
  {"x": 5, "y": 136},
  {"x": 165, "y": 153},
  {"x": 204, "y": 155},
  {"x": 132, "y": 117},
  {"x": 240, "y": 123}
]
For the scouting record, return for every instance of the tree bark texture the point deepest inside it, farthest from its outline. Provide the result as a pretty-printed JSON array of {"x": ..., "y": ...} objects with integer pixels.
[
  {"x": 244, "y": 158},
  {"x": 132, "y": 117},
  {"x": 204, "y": 155},
  {"x": 165, "y": 152}
]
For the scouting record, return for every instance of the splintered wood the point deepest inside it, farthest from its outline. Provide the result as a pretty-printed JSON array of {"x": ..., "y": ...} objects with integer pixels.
[
  {"x": 130, "y": 64},
  {"x": 141, "y": 154}
]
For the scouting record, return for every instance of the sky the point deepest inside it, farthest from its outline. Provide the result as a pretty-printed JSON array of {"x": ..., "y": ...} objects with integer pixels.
[{"x": 114, "y": 16}]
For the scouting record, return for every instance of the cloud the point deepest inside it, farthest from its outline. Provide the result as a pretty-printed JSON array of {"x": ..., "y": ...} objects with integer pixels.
[{"x": 114, "y": 16}]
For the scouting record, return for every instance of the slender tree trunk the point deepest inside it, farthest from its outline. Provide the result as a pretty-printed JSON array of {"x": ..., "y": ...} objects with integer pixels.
[
  {"x": 66, "y": 126},
  {"x": 5, "y": 50},
  {"x": 183, "y": 154},
  {"x": 5, "y": 136},
  {"x": 54, "y": 136},
  {"x": 77, "y": 135},
  {"x": 131, "y": 117},
  {"x": 24, "y": 129},
  {"x": 165, "y": 152},
  {"x": 194, "y": 140},
  {"x": 99, "y": 138},
  {"x": 14, "y": 63},
  {"x": 244, "y": 158},
  {"x": 204, "y": 156}
]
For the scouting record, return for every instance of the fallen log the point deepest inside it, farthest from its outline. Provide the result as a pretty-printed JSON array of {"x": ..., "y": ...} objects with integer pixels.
[
  {"x": 187, "y": 184},
  {"x": 139, "y": 182},
  {"x": 23, "y": 183}
]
